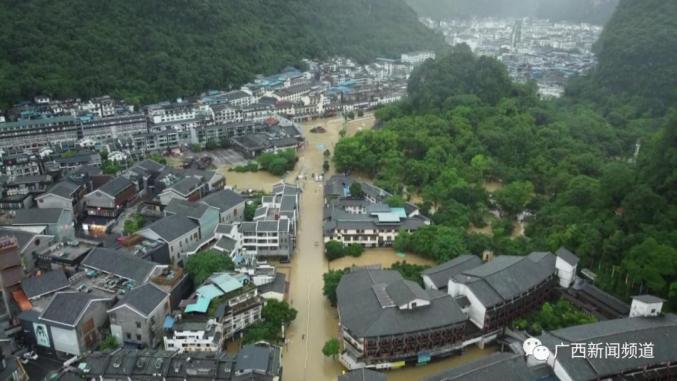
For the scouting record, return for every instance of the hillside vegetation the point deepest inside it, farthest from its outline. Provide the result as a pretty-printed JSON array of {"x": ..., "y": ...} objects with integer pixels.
[
  {"x": 637, "y": 54},
  {"x": 151, "y": 49},
  {"x": 570, "y": 167}
]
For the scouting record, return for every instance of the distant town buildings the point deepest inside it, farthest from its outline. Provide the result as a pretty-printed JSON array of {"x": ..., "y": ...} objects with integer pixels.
[
  {"x": 47, "y": 127},
  {"x": 532, "y": 49}
]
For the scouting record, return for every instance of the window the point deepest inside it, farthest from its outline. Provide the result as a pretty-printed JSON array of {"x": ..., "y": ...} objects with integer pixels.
[
  {"x": 138, "y": 324},
  {"x": 129, "y": 336},
  {"x": 138, "y": 337}
]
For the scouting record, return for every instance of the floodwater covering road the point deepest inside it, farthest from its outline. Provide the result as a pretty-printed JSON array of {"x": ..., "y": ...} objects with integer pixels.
[{"x": 317, "y": 321}]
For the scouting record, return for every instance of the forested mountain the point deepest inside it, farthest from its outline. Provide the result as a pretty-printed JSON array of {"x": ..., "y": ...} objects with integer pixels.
[
  {"x": 637, "y": 54},
  {"x": 590, "y": 11},
  {"x": 574, "y": 170},
  {"x": 157, "y": 49}
]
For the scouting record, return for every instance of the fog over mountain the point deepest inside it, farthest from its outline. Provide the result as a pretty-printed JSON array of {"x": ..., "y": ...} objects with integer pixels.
[{"x": 591, "y": 11}]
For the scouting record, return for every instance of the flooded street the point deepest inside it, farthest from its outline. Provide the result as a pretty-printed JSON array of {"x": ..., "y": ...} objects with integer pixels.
[
  {"x": 317, "y": 321},
  {"x": 381, "y": 256}
]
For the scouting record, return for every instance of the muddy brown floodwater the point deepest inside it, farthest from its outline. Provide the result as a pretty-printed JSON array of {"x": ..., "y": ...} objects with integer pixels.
[{"x": 317, "y": 321}]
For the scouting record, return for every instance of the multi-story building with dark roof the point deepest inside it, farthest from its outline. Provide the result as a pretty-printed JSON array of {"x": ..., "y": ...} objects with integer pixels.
[
  {"x": 56, "y": 222},
  {"x": 20, "y": 164},
  {"x": 65, "y": 195},
  {"x": 105, "y": 204},
  {"x": 368, "y": 220},
  {"x": 138, "y": 317},
  {"x": 385, "y": 319},
  {"x": 646, "y": 347},
  {"x": 505, "y": 288},
  {"x": 229, "y": 203},
  {"x": 71, "y": 324},
  {"x": 37, "y": 133},
  {"x": 114, "y": 127}
]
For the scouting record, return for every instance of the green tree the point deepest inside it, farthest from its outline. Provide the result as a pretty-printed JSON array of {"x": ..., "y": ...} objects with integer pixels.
[
  {"x": 410, "y": 271},
  {"x": 552, "y": 316},
  {"x": 262, "y": 331},
  {"x": 354, "y": 250},
  {"x": 334, "y": 250},
  {"x": 652, "y": 265},
  {"x": 356, "y": 190},
  {"x": 395, "y": 201},
  {"x": 331, "y": 281},
  {"x": 514, "y": 197},
  {"x": 331, "y": 348},
  {"x": 108, "y": 344},
  {"x": 134, "y": 223},
  {"x": 203, "y": 264},
  {"x": 278, "y": 312},
  {"x": 250, "y": 209}
]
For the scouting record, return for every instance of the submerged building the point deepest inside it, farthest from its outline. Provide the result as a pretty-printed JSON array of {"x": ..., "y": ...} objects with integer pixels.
[{"x": 388, "y": 322}]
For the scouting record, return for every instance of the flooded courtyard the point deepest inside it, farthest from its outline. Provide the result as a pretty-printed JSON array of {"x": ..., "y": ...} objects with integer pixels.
[
  {"x": 317, "y": 320},
  {"x": 384, "y": 256}
]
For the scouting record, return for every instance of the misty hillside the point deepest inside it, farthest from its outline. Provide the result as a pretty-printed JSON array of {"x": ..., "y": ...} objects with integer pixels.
[
  {"x": 591, "y": 11},
  {"x": 637, "y": 58},
  {"x": 151, "y": 49}
]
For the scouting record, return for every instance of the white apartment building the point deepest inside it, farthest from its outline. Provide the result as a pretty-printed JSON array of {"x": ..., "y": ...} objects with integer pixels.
[{"x": 194, "y": 336}]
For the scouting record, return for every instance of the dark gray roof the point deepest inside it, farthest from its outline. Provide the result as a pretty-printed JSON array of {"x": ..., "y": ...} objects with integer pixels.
[
  {"x": 172, "y": 227},
  {"x": 285, "y": 189},
  {"x": 63, "y": 189},
  {"x": 67, "y": 307},
  {"x": 224, "y": 228},
  {"x": 363, "y": 375},
  {"x": 223, "y": 200},
  {"x": 186, "y": 185},
  {"x": 150, "y": 165},
  {"x": 659, "y": 331},
  {"x": 23, "y": 237},
  {"x": 497, "y": 366},
  {"x": 507, "y": 277},
  {"x": 248, "y": 227},
  {"x": 35, "y": 216},
  {"x": 362, "y": 313},
  {"x": 567, "y": 256},
  {"x": 288, "y": 202},
  {"x": 143, "y": 298},
  {"x": 378, "y": 208},
  {"x": 648, "y": 298},
  {"x": 441, "y": 274},
  {"x": 283, "y": 225},
  {"x": 334, "y": 186},
  {"x": 116, "y": 185},
  {"x": 119, "y": 263},
  {"x": 259, "y": 358},
  {"x": 48, "y": 282},
  {"x": 266, "y": 226},
  {"x": 278, "y": 285},
  {"x": 405, "y": 291},
  {"x": 186, "y": 208},
  {"x": 616, "y": 305},
  {"x": 226, "y": 243}
]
